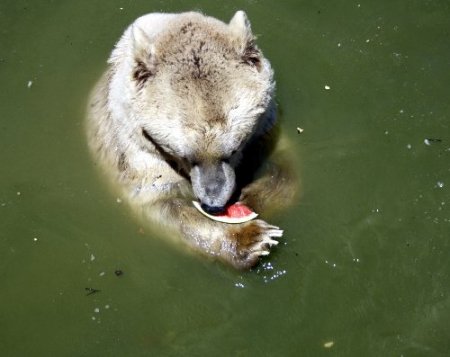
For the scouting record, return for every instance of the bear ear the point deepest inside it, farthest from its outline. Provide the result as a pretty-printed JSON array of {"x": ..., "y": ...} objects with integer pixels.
[
  {"x": 144, "y": 56},
  {"x": 240, "y": 26}
]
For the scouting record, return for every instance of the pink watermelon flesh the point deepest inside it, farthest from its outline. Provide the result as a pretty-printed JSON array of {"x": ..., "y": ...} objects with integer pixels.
[{"x": 236, "y": 210}]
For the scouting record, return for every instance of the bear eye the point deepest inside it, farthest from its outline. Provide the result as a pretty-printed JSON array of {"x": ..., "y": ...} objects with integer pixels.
[
  {"x": 161, "y": 148},
  {"x": 191, "y": 161},
  {"x": 228, "y": 158}
]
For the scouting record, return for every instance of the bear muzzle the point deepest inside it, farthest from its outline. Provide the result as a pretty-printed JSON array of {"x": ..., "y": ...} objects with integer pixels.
[{"x": 213, "y": 185}]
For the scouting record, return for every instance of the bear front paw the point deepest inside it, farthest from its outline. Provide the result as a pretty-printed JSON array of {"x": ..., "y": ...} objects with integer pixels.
[{"x": 254, "y": 240}]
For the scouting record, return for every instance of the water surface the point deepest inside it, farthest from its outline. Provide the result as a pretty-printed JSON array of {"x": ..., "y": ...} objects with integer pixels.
[{"x": 363, "y": 268}]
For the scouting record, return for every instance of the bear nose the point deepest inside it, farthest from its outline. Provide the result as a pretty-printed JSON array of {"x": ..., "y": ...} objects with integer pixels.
[{"x": 212, "y": 209}]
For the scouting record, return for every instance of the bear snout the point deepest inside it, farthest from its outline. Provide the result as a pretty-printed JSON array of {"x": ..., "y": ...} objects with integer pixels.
[{"x": 213, "y": 185}]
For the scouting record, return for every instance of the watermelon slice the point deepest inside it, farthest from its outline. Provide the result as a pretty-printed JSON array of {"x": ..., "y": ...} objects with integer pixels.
[{"x": 235, "y": 213}]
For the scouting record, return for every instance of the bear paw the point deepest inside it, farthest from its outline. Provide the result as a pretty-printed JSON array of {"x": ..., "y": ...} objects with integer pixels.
[{"x": 254, "y": 240}]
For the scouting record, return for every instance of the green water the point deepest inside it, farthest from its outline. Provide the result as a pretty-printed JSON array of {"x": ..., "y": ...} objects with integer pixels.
[{"x": 363, "y": 268}]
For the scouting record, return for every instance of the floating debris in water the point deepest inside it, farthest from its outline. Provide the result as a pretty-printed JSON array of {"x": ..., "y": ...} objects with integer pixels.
[
  {"x": 118, "y": 200},
  {"x": 328, "y": 344},
  {"x": 97, "y": 310},
  {"x": 430, "y": 141},
  {"x": 439, "y": 184},
  {"x": 29, "y": 84},
  {"x": 327, "y": 87},
  {"x": 300, "y": 130},
  {"x": 331, "y": 264},
  {"x": 118, "y": 272},
  {"x": 239, "y": 285},
  {"x": 91, "y": 291},
  {"x": 102, "y": 273},
  {"x": 92, "y": 257},
  {"x": 35, "y": 239}
]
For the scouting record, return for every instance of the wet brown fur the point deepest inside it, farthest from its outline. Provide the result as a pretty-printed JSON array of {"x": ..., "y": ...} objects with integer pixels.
[{"x": 201, "y": 57}]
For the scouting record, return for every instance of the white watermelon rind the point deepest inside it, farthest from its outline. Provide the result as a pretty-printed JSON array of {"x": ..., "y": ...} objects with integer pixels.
[{"x": 232, "y": 220}]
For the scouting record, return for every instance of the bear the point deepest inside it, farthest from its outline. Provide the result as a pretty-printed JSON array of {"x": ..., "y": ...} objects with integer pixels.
[{"x": 185, "y": 111}]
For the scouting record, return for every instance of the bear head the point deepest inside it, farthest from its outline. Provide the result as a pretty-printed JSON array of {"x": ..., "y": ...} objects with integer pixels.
[{"x": 199, "y": 91}]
